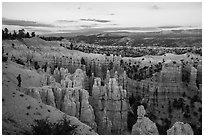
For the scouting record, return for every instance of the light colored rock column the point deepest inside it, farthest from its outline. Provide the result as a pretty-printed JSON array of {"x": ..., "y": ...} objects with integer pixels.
[
  {"x": 179, "y": 128},
  {"x": 144, "y": 126}
]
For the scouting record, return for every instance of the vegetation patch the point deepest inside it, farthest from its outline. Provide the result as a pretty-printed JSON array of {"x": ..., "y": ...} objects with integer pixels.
[
  {"x": 45, "y": 127},
  {"x": 21, "y": 95},
  {"x": 28, "y": 107}
]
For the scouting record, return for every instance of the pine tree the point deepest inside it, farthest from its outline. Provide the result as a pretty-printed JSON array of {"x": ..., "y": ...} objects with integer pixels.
[
  {"x": 33, "y": 34},
  {"x": 21, "y": 33},
  {"x": 27, "y": 35}
]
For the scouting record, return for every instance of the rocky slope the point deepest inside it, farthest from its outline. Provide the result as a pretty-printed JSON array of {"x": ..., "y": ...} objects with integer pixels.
[
  {"x": 67, "y": 96},
  {"x": 110, "y": 105},
  {"x": 170, "y": 95},
  {"x": 144, "y": 126},
  {"x": 19, "y": 111},
  {"x": 97, "y": 89}
]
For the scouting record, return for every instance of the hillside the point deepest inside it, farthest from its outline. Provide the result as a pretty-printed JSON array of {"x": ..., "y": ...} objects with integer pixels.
[
  {"x": 19, "y": 111},
  {"x": 99, "y": 93}
]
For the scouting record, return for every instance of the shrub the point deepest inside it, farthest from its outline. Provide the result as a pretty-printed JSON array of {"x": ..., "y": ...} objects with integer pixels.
[
  {"x": 19, "y": 61},
  {"x": 4, "y": 58},
  {"x": 21, "y": 95},
  {"x": 36, "y": 65},
  {"x": 44, "y": 127},
  {"x": 178, "y": 104},
  {"x": 131, "y": 120},
  {"x": 28, "y": 107},
  {"x": 186, "y": 115}
]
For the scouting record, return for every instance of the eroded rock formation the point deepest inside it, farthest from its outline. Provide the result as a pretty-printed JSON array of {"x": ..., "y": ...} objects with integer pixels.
[
  {"x": 110, "y": 106},
  {"x": 67, "y": 96},
  {"x": 144, "y": 126},
  {"x": 179, "y": 128}
]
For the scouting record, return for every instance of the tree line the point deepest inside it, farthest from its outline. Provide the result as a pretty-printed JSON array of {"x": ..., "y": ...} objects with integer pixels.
[
  {"x": 52, "y": 38},
  {"x": 16, "y": 34}
]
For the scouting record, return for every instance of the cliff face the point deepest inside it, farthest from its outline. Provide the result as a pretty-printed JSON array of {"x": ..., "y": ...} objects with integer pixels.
[
  {"x": 106, "y": 102},
  {"x": 167, "y": 95},
  {"x": 109, "y": 102},
  {"x": 19, "y": 111},
  {"x": 110, "y": 106},
  {"x": 67, "y": 96},
  {"x": 144, "y": 126},
  {"x": 157, "y": 90}
]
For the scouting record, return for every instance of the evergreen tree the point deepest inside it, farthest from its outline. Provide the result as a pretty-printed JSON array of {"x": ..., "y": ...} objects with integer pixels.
[
  {"x": 15, "y": 35},
  {"x": 3, "y": 35},
  {"x": 21, "y": 33},
  {"x": 33, "y": 34},
  {"x": 6, "y": 34},
  {"x": 27, "y": 35}
]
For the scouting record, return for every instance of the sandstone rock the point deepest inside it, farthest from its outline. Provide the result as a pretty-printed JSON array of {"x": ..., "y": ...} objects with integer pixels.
[
  {"x": 141, "y": 111},
  {"x": 96, "y": 90},
  {"x": 48, "y": 70},
  {"x": 107, "y": 76},
  {"x": 56, "y": 75},
  {"x": 68, "y": 82},
  {"x": 40, "y": 70},
  {"x": 78, "y": 78},
  {"x": 51, "y": 80},
  {"x": 68, "y": 105},
  {"x": 63, "y": 73},
  {"x": 179, "y": 128},
  {"x": 47, "y": 96},
  {"x": 33, "y": 92},
  {"x": 72, "y": 101},
  {"x": 144, "y": 126},
  {"x": 193, "y": 76},
  {"x": 63, "y": 83},
  {"x": 110, "y": 98},
  {"x": 116, "y": 75},
  {"x": 44, "y": 94},
  {"x": 58, "y": 93},
  {"x": 76, "y": 104},
  {"x": 45, "y": 79},
  {"x": 87, "y": 114},
  {"x": 106, "y": 125},
  {"x": 125, "y": 80}
]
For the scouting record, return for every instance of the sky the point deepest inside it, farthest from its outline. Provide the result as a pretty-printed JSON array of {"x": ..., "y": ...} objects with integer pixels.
[{"x": 59, "y": 17}]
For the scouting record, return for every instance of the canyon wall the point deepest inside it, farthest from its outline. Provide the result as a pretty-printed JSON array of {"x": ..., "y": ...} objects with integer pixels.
[{"x": 110, "y": 104}]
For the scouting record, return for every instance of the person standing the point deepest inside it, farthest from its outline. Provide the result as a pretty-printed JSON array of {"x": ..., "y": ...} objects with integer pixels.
[{"x": 19, "y": 80}]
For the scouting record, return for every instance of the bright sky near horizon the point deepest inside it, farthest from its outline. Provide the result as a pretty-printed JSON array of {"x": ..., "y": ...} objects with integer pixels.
[{"x": 63, "y": 17}]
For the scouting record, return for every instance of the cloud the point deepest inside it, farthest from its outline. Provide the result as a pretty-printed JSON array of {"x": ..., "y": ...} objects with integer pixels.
[
  {"x": 96, "y": 20},
  {"x": 66, "y": 21},
  {"x": 89, "y": 26},
  {"x": 155, "y": 7},
  {"x": 64, "y": 30},
  {"x": 86, "y": 26},
  {"x": 113, "y": 24},
  {"x": 41, "y": 30},
  {"x": 111, "y": 14},
  {"x": 24, "y": 23},
  {"x": 169, "y": 27}
]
